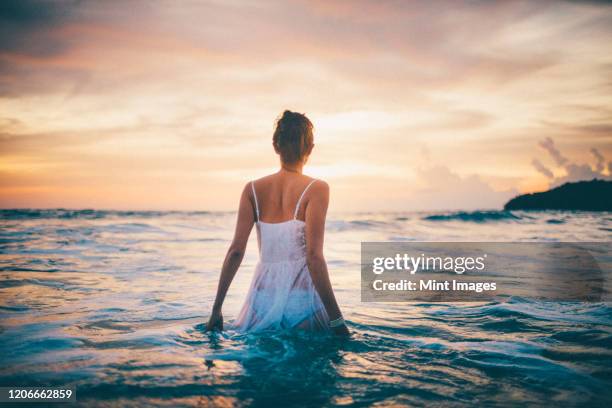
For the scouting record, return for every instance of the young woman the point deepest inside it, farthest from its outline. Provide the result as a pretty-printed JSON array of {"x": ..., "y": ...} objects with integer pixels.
[{"x": 291, "y": 287}]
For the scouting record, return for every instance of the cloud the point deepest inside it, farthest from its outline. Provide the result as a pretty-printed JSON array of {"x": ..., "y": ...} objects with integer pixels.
[
  {"x": 596, "y": 127},
  {"x": 443, "y": 189},
  {"x": 600, "y": 160},
  {"x": 198, "y": 86},
  {"x": 549, "y": 145},
  {"x": 573, "y": 171},
  {"x": 416, "y": 46},
  {"x": 542, "y": 169},
  {"x": 27, "y": 27},
  {"x": 578, "y": 172}
]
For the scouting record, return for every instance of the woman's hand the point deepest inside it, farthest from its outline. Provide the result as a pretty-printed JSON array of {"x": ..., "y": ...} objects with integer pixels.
[
  {"x": 341, "y": 330},
  {"x": 215, "y": 322}
]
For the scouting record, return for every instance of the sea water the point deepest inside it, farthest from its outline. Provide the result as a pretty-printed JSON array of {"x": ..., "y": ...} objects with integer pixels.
[{"x": 114, "y": 303}]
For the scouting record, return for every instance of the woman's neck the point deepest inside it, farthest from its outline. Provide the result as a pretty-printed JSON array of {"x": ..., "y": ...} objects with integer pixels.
[{"x": 292, "y": 167}]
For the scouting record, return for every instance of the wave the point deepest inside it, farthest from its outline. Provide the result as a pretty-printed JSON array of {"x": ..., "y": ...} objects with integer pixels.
[
  {"x": 61, "y": 213},
  {"x": 346, "y": 225},
  {"x": 474, "y": 216},
  {"x": 555, "y": 221}
]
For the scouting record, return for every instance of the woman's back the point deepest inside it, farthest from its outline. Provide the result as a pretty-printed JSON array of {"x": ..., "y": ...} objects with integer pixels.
[
  {"x": 281, "y": 235},
  {"x": 278, "y": 195},
  {"x": 282, "y": 294}
]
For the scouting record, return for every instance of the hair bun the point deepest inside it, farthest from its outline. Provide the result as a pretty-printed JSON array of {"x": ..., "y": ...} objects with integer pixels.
[
  {"x": 288, "y": 115},
  {"x": 293, "y": 136}
]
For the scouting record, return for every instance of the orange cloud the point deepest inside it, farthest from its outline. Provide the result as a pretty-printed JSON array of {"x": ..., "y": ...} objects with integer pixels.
[{"x": 159, "y": 106}]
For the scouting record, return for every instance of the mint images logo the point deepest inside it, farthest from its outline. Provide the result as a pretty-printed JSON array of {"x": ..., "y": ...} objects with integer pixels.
[{"x": 481, "y": 271}]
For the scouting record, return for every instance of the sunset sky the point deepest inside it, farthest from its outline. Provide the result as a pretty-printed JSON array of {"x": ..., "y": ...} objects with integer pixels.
[{"x": 416, "y": 105}]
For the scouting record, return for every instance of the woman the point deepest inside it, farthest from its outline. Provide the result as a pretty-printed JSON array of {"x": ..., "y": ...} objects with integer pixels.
[{"x": 291, "y": 287}]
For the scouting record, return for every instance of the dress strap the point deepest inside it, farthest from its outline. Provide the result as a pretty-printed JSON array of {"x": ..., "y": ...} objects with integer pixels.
[
  {"x": 297, "y": 206},
  {"x": 255, "y": 198}
]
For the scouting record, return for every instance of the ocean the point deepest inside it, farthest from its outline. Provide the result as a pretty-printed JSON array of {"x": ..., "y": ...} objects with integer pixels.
[{"x": 114, "y": 303}]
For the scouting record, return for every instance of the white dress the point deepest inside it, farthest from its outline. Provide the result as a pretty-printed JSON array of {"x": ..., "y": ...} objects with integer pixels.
[{"x": 282, "y": 294}]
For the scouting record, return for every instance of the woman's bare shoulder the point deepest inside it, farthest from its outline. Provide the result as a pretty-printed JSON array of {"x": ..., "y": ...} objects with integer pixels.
[
  {"x": 265, "y": 179},
  {"x": 320, "y": 188},
  {"x": 320, "y": 183}
]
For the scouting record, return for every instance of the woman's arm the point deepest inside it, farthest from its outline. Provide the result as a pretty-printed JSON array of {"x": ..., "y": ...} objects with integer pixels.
[
  {"x": 233, "y": 258},
  {"x": 316, "y": 211}
]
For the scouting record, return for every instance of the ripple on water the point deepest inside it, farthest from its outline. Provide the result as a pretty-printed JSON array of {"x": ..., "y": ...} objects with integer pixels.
[{"x": 115, "y": 302}]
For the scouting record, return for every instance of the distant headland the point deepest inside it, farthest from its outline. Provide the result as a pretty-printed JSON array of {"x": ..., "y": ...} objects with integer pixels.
[{"x": 594, "y": 195}]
